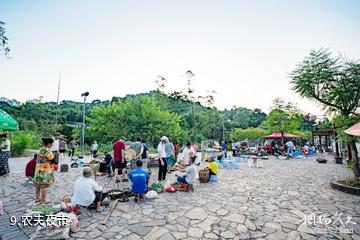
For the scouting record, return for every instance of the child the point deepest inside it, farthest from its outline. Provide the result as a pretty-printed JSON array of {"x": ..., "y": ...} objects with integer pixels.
[
  {"x": 213, "y": 168},
  {"x": 30, "y": 167}
]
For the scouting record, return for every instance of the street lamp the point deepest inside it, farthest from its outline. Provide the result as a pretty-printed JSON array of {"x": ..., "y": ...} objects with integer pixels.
[{"x": 85, "y": 94}]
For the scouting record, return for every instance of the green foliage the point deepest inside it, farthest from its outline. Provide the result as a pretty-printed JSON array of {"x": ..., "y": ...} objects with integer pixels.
[
  {"x": 139, "y": 117},
  {"x": 353, "y": 182},
  {"x": 304, "y": 134},
  {"x": 333, "y": 82},
  {"x": 280, "y": 121},
  {"x": 288, "y": 107},
  {"x": 243, "y": 118},
  {"x": 19, "y": 142},
  {"x": 341, "y": 123},
  {"x": 41, "y": 118},
  {"x": 249, "y": 133}
]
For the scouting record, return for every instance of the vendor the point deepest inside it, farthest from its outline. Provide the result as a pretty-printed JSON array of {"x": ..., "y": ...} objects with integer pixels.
[
  {"x": 107, "y": 164},
  {"x": 188, "y": 152},
  {"x": 190, "y": 176},
  {"x": 87, "y": 191},
  {"x": 139, "y": 178},
  {"x": 213, "y": 168}
]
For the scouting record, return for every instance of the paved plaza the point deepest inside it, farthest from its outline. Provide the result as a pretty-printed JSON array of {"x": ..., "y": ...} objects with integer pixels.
[{"x": 247, "y": 203}]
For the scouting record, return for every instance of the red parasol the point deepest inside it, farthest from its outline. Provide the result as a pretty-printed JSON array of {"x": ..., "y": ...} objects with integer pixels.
[
  {"x": 354, "y": 130},
  {"x": 277, "y": 135}
]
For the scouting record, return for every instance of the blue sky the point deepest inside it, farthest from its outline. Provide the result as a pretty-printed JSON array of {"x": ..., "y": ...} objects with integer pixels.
[{"x": 244, "y": 50}]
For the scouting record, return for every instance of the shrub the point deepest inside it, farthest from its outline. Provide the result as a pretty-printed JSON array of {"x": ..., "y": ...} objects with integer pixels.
[{"x": 19, "y": 142}]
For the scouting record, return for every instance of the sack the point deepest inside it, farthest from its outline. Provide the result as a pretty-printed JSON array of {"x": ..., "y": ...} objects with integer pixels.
[
  {"x": 45, "y": 233},
  {"x": 151, "y": 195},
  {"x": 170, "y": 189},
  {"x": 73, "y": 221}
]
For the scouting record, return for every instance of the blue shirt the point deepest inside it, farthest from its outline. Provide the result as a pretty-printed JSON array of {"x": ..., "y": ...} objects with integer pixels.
[
  {"x": 169, "y": 147},
  {"x": 139, "y": 178},
  {"x": 223, "y": 146}
]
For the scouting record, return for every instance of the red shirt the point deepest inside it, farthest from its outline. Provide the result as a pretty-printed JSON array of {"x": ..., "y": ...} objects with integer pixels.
[
  {"x": 118, "y": 148},
  {"x": 176, "y": 149},
  {"x": 30, "y": 168}
]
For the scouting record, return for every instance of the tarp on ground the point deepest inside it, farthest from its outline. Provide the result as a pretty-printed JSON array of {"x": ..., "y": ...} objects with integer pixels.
[
  {"x": 277, "y": 135},
  {"x": 7, "y": 123},
  {"x": 354, "y": 130}
]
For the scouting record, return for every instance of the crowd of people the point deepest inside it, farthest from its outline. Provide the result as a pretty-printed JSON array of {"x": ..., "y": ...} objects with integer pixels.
[
  {"x": 87, "y": 191},
  {"x": 289, "y": 148}
]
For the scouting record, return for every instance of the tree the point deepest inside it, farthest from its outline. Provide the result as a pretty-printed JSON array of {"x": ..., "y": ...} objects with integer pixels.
[
  {"x": 4, "y": 48},
  {"x": 243, "y": 117},
  {"x": 280, "y": 121},
  {"x": 288, "y": 107},
  {"x": 332, "y": 81},
  {"x": 249, "y": 133},
  {"x": 139, "y": 117}
]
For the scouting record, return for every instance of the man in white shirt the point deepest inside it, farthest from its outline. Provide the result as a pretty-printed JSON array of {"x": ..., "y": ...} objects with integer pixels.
[
  {"x": 55, "y": 148},
  {"x": 87, "y": 191},
  {"x": 94, "y": 149},
  {"x": 4, "y": 154},
  {"x": 190, "y": 176},
  {"x": 290, "y": 147}
]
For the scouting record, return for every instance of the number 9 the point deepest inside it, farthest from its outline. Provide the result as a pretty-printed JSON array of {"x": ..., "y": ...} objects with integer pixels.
[{"x": 12, "y": 220}]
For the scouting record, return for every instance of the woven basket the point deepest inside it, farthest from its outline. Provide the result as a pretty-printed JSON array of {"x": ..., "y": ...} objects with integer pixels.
[{"x": 203, "y": 176}]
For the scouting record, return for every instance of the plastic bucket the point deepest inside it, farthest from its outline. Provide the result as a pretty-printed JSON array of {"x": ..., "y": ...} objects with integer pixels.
[{"x": 213, "y": 178}]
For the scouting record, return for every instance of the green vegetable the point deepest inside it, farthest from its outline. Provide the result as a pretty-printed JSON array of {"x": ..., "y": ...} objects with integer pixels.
[{"x": 43, "y": 209}]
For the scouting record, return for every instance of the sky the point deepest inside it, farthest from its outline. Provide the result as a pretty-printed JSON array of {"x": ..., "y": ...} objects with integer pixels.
[{"x": 243, "y": 50}]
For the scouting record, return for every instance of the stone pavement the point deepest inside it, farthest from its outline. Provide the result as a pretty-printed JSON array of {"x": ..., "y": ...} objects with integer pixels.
[{"x": 247, "y": 203}]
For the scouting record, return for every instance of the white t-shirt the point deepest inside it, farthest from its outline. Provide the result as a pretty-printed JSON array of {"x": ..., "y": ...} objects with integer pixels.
[
  {"x": 55, "y": 146},
  {"x": 95, "y": 147},
  {"x": 161, "y": 150},
  {"x": 84, "y": 189},
  {"x": 186, "y": 154},
  {"x": 7, "y": 144},
  {"x": 233, "y": 146},
  {"x": 290, "y": 145},
  {"x": 191, "y": 174}
]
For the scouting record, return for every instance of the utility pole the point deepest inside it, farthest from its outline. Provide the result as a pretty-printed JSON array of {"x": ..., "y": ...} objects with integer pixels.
[
  {"x": 190, "y": 74},
  {"x": 57, "y": 101},
  {"x": 85, "y": 94}
]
